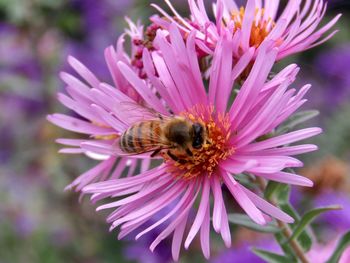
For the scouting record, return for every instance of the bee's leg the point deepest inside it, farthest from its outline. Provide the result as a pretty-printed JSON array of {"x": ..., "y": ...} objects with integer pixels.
[
  {"x": 182, "y": 161},
  {"x": 188, "y": 151},
  {"x": 175, "y": 158},
  {"x": 172, "y": 156},
  {"x": 160, "y": 117},
  {"x": 156, "y": 152}
]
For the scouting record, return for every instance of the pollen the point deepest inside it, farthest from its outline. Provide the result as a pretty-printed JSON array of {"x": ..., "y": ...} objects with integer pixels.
[
  {"x": 215, "y": 149},
  {"x": 104, "y": 137},
  {"x": 261, "y": 26}
]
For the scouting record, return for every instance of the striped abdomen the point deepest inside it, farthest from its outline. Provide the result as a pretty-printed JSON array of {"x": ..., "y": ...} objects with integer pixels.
[{"x": 141, "y": 137}]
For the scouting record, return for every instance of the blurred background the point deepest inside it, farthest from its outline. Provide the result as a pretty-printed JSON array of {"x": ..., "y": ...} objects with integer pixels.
[{"x": 39, "y": 222}]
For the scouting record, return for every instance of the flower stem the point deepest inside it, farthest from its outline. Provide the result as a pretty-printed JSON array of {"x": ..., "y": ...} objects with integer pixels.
[{"x": 285, "y": 229}]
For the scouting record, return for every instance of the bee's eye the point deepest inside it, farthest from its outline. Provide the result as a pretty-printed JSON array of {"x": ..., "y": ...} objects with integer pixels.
[
  {"x": 197, "y": 136},
  {"x": 196, "y": 144}
]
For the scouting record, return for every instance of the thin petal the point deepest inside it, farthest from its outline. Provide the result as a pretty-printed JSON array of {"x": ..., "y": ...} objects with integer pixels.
[
  {"x": 200, "y": 213},
  {"x": 204, "y": 233},
  {"x": 243, "y": 200},
  {"x": 267, "y": 207}
]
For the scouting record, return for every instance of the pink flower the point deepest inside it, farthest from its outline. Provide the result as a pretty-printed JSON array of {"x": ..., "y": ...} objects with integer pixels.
[
  {"x": 293, "y": 31},
  {"x": 174, "y": 86},
  {"x": 83, "y": 98}
]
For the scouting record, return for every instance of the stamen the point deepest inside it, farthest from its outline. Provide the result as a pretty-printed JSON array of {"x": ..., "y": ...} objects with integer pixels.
[{"x": 260, "y": 27}]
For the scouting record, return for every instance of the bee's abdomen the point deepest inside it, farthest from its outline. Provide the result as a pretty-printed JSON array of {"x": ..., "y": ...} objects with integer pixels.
[{"x": 140, "y": 137}]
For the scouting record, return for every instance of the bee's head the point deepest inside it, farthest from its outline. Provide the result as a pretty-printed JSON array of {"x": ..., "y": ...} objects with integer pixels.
[{"x": 199, "y": 135}]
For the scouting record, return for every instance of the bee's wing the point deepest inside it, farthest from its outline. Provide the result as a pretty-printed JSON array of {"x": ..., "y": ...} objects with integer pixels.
[{"x": 137, "y": 113}]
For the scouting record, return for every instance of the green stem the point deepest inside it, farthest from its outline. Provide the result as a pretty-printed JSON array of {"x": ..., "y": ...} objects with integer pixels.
[{"x": 285, "y": 229}]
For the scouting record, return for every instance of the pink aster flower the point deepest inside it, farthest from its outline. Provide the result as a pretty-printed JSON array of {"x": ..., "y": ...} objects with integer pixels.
[
  {"x": 293, "y": 31},
  {"x": 233, "y": 145},
  {"x": 84, "y": 96}
]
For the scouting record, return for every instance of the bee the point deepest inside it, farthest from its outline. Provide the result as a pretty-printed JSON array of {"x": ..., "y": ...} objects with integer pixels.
[{"x": 175, "y": 136}]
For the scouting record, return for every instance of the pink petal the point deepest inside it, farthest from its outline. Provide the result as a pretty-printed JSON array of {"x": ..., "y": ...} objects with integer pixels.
[
  {"x": 156, "y": 186},
  {"x": 225, "y": 228},
  {"x": 144, "y": 91},
  {"x": 287, "y": 178},
  {"x": 70, "y": 142},
  {"x": 283, "y": 139},
  {"x": 267, "y": 207},
  {"x": 218, "y": 202},
  {"x": 71, "y": 150},
  {"x": 83, "y": 71},
  {"x": 99, "y": 147},
  {"x": 236, "y": 166},
  {"x": 247, "y": 23},
  {"x": 80, "y": 108},
  {"x": 180, "y": 219},
  {"x": 200, "y": 213},
  {"x": 242, "y": 199},
  {"x": 186, "y": 198},
  {"x": 177, "y": 238},
  {"x": 76, "y": 125},
  {"x": 285, "y": 151},
  {"x": 89, "y": 176},
  {"x": 204, "y": 233}
]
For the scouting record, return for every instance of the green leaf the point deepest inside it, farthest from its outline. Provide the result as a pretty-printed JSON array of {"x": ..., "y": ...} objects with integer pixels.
[
  {"x": 246, "y": 180},
  {"x": 278, "y": 191},
  {"x": 245, "y": 221},
  {"x": 285, "y": 247},
  {"x": 282, "y": 195},
  {"x": 305, "y": 241},
  {"x": 343, "y": 243},
  {"x": 304, "y": 238},
  {"x": 309, "y": 217},
  {"x": 270, "y": 256},
  {"x": 295, "y": 120},
  {"x": 271, "y": 188},
  {"x": 289, "y": 209}
]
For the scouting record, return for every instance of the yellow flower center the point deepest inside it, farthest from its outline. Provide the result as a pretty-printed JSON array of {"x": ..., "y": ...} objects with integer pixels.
[
  {"x": 216, "y": 148},
  {"x": 260, "y": 28}
]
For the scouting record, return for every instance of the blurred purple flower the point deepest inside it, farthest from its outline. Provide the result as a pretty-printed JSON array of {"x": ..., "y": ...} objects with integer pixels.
[
  {"x": 333, "y": 65},
  {"x": 102, "y": 23},
  {"x": 24, "y": 225},
  {"x": 139, "y": 251},
  {"x": 241, "y": 254},
  {"x": 16, "y": 53},
  {"x": 341, "y": 217},
  {"x": 98, "y": 15},
  {"x": 16, "y": 110}
]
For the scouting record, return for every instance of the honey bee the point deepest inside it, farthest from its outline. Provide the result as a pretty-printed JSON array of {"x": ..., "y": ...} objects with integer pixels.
[{"x": 175, "y": 136}]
